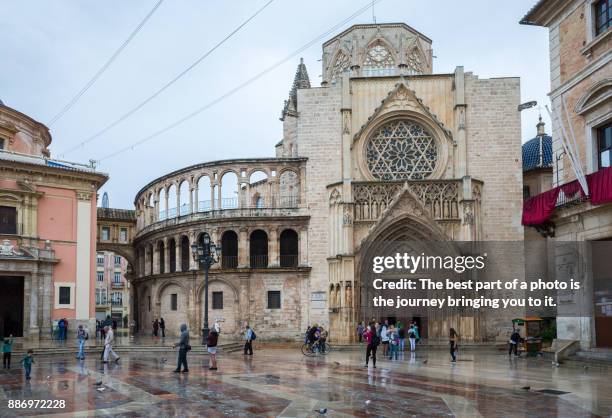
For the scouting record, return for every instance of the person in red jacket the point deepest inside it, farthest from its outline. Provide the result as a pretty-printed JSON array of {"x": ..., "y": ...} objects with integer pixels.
[{"x": 372, "y": 340}]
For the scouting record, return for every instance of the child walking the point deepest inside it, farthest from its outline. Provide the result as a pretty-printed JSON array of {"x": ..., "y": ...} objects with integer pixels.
[
  {"x": 27, "y": 361},
  {"x": 7, "y": 348}
]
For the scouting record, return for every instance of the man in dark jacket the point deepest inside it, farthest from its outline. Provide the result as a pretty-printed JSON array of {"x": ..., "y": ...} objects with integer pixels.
[
  {"x": 515, "y": 338},
  {"x": 184, "y": 346}
]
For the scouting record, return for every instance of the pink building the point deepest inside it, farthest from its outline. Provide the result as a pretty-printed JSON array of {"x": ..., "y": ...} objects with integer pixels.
[{"x": 47, "y": 232}]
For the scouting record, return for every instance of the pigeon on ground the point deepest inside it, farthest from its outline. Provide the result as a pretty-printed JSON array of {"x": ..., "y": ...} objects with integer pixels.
[
  {"x": 526, "y": 388},
  {"x": 321, "y": 411},
  {"x": 424, "y": 361},
  {"x": 98, "y": 383},
  {"x": 368, "y": 402},
  {"x": 100, "y": 389}
]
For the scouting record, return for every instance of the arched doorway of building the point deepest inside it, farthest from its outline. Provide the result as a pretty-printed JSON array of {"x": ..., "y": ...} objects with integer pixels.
[
  {"x": 185, "y": 253},
  {"x": 258, "y": 249},
  {"x": 229, "y": 248},
  {"x": 288, "y": 248},
  {"x": 412, "y": 236}
]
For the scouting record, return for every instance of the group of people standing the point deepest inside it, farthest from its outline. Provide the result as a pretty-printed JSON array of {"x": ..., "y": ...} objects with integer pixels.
[
  {"x": 392, "y": 337},
  {"x": 159, "y": 325}
]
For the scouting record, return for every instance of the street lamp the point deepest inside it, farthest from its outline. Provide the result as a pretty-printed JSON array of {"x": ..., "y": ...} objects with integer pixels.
[{"x": 205, "y": 253}]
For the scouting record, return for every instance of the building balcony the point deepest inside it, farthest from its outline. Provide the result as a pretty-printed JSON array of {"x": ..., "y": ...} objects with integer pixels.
[
  {"x": 284, "y": 208},
  {"x": 538, "y": 210},
  {"x": 117, "y": 285}
]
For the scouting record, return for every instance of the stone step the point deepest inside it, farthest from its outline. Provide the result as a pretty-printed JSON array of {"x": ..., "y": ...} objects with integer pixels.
[{"x": 92, "y": 350}]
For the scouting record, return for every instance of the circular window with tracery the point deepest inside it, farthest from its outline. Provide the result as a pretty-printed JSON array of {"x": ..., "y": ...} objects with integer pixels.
[{"x": 401, "y": 150}]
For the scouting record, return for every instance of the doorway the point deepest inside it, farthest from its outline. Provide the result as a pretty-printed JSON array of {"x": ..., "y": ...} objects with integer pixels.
[
  {"x": 602, "y": 291},
  {"x": 11, "y": 306}
]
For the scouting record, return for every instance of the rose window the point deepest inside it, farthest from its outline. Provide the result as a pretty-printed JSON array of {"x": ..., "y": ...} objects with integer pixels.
[{"x": 401, "y": 150}]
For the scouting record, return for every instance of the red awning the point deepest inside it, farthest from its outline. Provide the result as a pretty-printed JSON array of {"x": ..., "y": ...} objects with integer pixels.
[{"x": 538, "y": 209}]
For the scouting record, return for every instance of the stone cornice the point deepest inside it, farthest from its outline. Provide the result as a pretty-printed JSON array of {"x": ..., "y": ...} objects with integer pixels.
[{"x": 77, "y": 176}]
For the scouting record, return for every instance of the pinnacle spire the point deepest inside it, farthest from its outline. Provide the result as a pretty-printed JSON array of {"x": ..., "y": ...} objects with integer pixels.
[{"x": 300, "y": 81}]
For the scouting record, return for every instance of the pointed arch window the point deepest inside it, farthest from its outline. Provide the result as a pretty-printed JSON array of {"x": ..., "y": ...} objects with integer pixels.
[
  {"x": 341, "y": 65},
  {"x": 415, "y": 63},
  {"x": 378, "y": 61}
]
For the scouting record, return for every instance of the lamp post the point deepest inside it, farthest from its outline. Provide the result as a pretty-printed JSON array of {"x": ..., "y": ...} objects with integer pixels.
[{"x": 205, "y": 253}]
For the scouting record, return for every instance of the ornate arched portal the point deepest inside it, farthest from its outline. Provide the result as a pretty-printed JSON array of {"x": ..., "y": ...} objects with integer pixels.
[{"x": 417, "y": 237}]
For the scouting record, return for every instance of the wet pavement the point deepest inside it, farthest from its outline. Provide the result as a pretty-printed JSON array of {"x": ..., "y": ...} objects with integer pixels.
[{"x": 282, "y": 382}]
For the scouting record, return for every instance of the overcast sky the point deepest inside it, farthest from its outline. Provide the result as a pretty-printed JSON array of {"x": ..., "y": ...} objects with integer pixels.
[{"x": 50, "y": 49}]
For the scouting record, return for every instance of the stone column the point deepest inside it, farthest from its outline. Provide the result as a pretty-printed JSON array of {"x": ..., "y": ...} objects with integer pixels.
[
  {"x": 178, "y": 200},
  {"x": 460, "y": 152},
  {"x": 155, "y": 259},
  {"x": 47, "y": 301},
  {"x": 177, "y": 250},
  {"x": 192, "y": 263},
  {"x": 195, "y": 206},
  {"x": 191, "y": 192},
  {"x": 147, "y": 263},
  {"x": 34, "y": 330},
  {"x": 273, "y": 256},
  {"x": 213, "y": 204},
  {"x": 243, "y": 248}
]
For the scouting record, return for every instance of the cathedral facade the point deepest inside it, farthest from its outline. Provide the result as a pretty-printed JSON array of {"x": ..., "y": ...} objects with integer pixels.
[{"x": 384, "y": 150}]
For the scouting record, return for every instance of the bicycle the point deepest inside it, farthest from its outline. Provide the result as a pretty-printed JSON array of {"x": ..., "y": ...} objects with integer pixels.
[{"x": 314, "y": 349}]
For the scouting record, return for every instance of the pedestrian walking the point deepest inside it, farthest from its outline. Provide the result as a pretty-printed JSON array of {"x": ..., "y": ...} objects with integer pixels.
[
  {"x": 211, "y": 343},
  {"x": 372, "y": 340},
  {"x": 82, "y": 336},
  {"x": 412, "y": 335},
  {"x": 27, "y": 362},
  {"x": 61, "y": 326},
  {"x": 162, "y": 327},
  {"x": 155, "y": 327},
  {"x": 393, "y": 342},
  {"x": 402, "y": 337},
  {"x": 108, "y": 345},
  {"x": 515, "y": 338},
  {"x": 454, "y": 339},
  {"x": 249, "y": 336},
  {"x": 7, "y": 349},
  {"x": 384, "y": 337},
  {"x": 360, "y": 331},
  {"x": 184, "y": 347}
]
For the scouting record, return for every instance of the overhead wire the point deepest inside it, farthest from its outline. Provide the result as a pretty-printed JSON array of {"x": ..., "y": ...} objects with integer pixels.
[
  {"x": 238, "y": 87},
  {"x": 104, "y": 67},
  {"x": 163, "y": 88}
]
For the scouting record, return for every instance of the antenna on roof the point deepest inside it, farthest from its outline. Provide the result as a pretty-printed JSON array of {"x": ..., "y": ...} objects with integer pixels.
[{"x": 373, "y": 14}]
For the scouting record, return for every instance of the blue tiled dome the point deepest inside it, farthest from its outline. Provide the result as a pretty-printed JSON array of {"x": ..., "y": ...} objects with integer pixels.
[{"x": 537, "y": 153}]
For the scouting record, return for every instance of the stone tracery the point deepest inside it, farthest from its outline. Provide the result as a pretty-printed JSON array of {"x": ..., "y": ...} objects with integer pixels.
[
  {"x": 401, "y": 150},
  {"x": 341, "y": 64},
  {"x": 379, "y": 61}
]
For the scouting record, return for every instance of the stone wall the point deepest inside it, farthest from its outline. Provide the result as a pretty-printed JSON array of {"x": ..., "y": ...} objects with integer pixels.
[
  {"x": 320, "y": 140},
  {"x": 493, "y": 128}
]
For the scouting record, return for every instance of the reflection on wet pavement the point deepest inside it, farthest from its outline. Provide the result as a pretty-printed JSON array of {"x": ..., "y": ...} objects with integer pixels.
[{"x": 284, "y": 383}]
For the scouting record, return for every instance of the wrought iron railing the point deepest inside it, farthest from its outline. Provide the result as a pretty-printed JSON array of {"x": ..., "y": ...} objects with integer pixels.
[
  {"x": 288, "y": 260},
  {"x": 229, "y": 261},
  {"x": 258, "y": 261}
]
